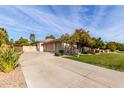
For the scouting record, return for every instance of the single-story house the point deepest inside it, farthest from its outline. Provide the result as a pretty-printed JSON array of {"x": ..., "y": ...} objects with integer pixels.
[
  {"x": 54, "y": 46},
  {"x": 50, "y": 45}
]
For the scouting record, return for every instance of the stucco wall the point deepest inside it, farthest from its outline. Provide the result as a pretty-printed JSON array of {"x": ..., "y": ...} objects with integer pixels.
[
  {"x": 29, "y": 48},
  {"x": 40, "y": 47}
]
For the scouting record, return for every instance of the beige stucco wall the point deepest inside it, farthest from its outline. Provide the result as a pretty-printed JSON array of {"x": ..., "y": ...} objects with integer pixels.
[
  {"x": 29, "y": 48},
  {"x": 40, "y": 47}
]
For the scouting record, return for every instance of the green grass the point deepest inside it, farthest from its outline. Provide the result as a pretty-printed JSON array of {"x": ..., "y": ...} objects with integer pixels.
[{"x": 113, "y": 61}]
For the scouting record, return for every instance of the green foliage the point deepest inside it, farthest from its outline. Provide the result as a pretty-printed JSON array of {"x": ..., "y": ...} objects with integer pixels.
[
  {"x": 22, "y": 42},
  {"x": 3, "y": 36},
  {"x": 11, "y": 43},
  {"x": 120, "y": 46},
  {"x": 112, "y": 46},
  {"x": 82, "y": 38},
  {"x": 50, "y": 37},
  {"x": 61, "y": 52},
  {"x": 32, "y": 38},
  {"x": 99, "y": 43},
  {"x": 91, "y": 52},
  {"x": 57, "y": 54},
  {"x": 8, "y": 59},
  {"x": 66, "y": 38}
]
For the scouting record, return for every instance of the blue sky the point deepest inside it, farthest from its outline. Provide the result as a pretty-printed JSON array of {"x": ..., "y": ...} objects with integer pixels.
[{"x": 102, "y": 21}]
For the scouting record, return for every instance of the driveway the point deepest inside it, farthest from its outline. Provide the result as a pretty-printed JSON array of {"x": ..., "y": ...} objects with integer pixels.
[{"x": 44, "y": 70}]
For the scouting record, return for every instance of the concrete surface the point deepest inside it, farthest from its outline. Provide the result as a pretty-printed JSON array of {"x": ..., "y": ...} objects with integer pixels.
[{"x": 43, "y": 70}]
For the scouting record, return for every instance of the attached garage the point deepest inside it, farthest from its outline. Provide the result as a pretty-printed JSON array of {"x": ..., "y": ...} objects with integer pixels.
[{"x": 52, "y": 45}]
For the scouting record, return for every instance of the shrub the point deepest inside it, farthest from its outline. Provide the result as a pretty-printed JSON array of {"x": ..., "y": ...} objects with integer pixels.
[
  {"x": 97, "y": 51},
  {"x": 8, "y": 59},
  {"x": 90, "y": 52},
  {"x": 85, "y": 52},
  {"x": 61, "y": 52},
  {"x": 57, "y": 54},
  {"x": 121, "y": 49}
]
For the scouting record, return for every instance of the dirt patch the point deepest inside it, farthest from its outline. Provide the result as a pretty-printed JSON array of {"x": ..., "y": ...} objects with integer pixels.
[{"x": 14, "y": 79}]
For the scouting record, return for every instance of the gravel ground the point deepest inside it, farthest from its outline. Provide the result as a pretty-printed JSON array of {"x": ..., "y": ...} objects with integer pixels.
[{"x": 14, "y": 79}]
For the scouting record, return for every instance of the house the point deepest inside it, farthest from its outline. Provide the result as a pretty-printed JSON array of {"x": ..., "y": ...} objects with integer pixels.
[{"x": 49, "y": 45}]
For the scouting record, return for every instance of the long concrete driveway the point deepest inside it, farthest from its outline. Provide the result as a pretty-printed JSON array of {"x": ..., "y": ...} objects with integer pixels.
[{"x": 43, "y": 70}]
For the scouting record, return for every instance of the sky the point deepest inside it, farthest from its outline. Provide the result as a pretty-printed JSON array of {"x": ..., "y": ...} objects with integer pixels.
[{"x": 106, "y": 22}]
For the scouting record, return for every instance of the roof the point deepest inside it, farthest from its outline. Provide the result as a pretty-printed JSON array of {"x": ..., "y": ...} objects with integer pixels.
[
  {"x": 48, "y": 41},
  {"x": 51, "y": 40},
  {"x": 37, "y": 42}
]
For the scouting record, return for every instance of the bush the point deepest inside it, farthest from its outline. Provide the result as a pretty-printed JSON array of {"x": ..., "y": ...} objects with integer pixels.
[
  {"x": 8, "y": 59},
  {"x": 121, "y": 49},
  {"x": 85, "y": 52},
  {"x": 61, "y": 52},
  {"x": 57, "y": 54},
  {"x": 90, "y": 52},
  {"x": 97, "y": 51}
]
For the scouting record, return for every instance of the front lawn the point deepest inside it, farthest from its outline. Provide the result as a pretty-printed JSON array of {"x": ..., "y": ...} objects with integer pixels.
[{"x": 113, "y": 61}]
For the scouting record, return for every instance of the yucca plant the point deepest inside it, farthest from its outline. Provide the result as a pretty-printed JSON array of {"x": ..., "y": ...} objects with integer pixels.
[{"x": 8, "y": 59}]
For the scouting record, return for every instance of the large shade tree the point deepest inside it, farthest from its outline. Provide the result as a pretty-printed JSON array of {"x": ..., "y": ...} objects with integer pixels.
[
  {"x": 82, "y": 38},
  {"x": 3, "y": 36}
]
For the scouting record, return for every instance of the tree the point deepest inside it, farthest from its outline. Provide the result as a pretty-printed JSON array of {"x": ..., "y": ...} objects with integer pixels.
[
  {"x": 99, "y": 43},
  {"x": 112, "y": 46},
  {"x": 32, "y": 38},
  {"x": 82, "y": 38},
  {"x": 22, "y": 42},
  {"x": 3, "y": 36},
  {"x": 50, "y": 37},
  {"x": 11, "y": 42},
  {"x": 65, "y": 38},
  {"x": 119, "y": 46}
]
